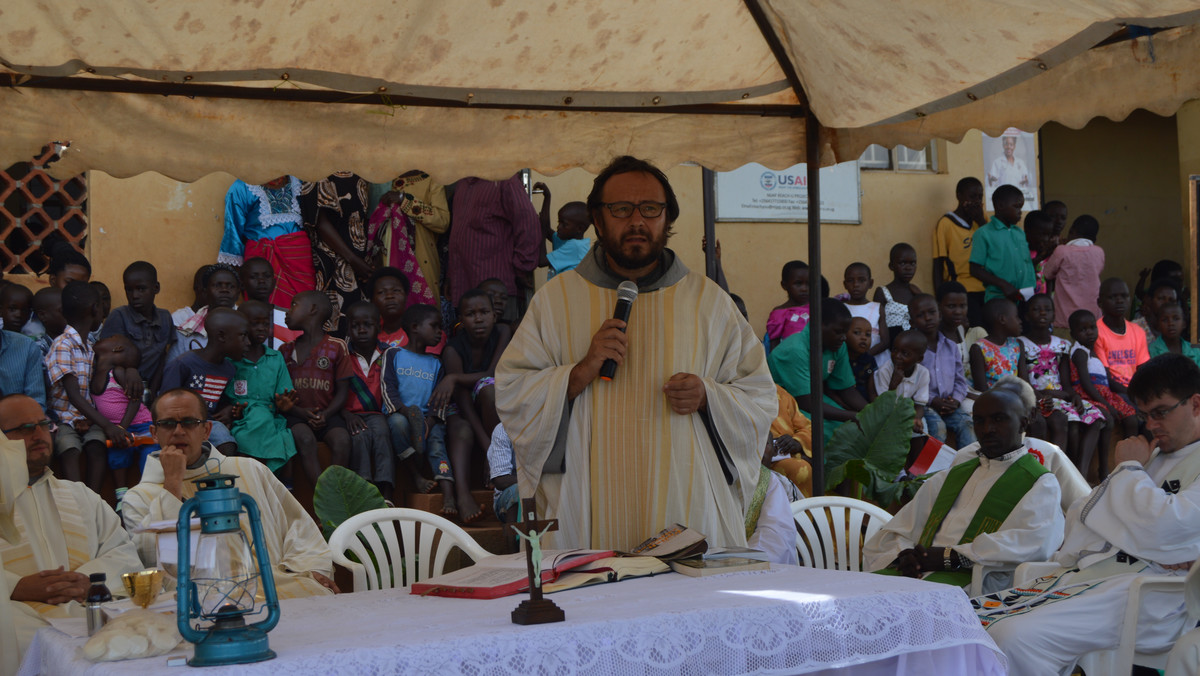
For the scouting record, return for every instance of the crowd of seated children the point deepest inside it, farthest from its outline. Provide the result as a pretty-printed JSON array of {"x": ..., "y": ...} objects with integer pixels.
[{"x": 1038, "y": 284}]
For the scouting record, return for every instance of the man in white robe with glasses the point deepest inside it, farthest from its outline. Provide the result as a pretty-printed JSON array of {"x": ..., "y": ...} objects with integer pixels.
[
  {"x": 302, "y": 562},
  {"x": 53, "y": 533},
  {"x": 1144, "y": 519}
]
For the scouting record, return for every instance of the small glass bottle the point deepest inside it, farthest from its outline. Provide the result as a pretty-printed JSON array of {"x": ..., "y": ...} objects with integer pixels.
[{"x": 98, "y": 594}]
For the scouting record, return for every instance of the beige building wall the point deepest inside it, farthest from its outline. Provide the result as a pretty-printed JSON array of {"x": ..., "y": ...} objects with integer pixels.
[
  {"x": 1127, "y": 175},
  {"x": 176, "y": 226}
]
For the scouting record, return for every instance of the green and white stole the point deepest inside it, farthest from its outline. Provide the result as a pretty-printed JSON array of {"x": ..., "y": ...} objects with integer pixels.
[
  {"x": 999, "y": 502},
  {"x": 756, "y": 501}
]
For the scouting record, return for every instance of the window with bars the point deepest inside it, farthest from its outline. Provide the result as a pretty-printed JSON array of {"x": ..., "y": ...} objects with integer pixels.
[
  {"x": 900, "y": 158},
  {"x": 32, "y": 205}
]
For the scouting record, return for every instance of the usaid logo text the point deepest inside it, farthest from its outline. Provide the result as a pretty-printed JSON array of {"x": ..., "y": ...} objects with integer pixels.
[{"x": 770, "y": 179}]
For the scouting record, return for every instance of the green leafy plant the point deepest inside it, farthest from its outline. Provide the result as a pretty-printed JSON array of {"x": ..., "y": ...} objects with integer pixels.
[
  {"x": 872, "y": 453},
  {"x": 340, "y": 494}
]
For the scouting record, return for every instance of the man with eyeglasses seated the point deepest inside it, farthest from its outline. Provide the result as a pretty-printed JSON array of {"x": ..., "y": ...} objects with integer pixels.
[
  {"x": 676, "y": 435},
  {"x": 302, "y": 561},
  {"x": 1144, "y": 519},
  {"x": 53, "y": 533}
]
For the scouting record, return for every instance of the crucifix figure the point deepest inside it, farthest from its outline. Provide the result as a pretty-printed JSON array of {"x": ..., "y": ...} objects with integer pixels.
[{"x": 536, "y": 609}]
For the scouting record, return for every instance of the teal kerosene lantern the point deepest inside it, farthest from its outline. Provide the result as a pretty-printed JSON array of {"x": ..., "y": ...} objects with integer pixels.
[{"x": 219, "y": 581}]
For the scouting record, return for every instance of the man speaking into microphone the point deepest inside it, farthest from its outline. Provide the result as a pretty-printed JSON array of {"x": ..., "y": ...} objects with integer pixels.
[{"x": 676, "y": 436}]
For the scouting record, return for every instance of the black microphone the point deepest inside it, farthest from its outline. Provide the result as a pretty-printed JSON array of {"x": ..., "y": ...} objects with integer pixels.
[{"x": 626, "y": 293}]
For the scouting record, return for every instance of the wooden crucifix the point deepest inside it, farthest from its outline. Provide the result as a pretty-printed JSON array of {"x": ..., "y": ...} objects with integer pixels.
[{"x": 535, "y": 609}]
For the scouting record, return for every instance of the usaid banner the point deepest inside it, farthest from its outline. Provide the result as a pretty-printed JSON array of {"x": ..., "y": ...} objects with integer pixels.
[{"x": 756, "y": 193}]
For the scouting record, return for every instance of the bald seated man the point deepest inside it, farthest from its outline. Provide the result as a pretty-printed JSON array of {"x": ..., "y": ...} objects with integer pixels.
[
  {"x": 53, "y": 533},
  {"x": 996, "y": 506},
  {"x": 302, "y": 561}
]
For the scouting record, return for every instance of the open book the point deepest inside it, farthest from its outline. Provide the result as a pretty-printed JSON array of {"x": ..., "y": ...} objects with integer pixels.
[
  {"x": 495, "y": 576},
  {"x": 609, "y": 569},
  {"x": 673, "y": 542}
]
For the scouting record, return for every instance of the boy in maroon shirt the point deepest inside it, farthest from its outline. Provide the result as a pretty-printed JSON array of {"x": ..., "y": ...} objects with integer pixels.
[{"x": 320, "y": 367}]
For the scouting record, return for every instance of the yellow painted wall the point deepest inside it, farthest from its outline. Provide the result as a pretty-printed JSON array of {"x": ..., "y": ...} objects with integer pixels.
[
  {"x": 176, "y": 226},
  {"x": 1126, "y": 174}
]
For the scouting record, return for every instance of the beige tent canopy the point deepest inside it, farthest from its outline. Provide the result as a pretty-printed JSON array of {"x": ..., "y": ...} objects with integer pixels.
[
  {"x": 468, "y": 87},
  {"x": 464, "y": 87}
]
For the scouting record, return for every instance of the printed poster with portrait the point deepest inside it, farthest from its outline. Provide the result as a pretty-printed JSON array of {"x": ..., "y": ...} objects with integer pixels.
[{"x": 1011, "y": 159}]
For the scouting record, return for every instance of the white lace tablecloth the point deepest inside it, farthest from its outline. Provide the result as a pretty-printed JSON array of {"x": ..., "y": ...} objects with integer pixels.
[{"x": 788, "y": 620}]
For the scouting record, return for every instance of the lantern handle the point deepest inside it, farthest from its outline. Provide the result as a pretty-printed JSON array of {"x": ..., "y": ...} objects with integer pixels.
[
  {"x": 184, "y": 593},
  {"x": 264, "y": 564}
]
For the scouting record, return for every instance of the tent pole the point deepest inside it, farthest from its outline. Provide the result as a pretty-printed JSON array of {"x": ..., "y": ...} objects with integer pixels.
[
  {"x": 816, "y": 367},
  {"x": 710, "y": 223}
]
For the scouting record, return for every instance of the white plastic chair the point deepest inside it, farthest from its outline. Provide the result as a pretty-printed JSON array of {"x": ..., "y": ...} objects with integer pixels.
[
  {"x": 832, "y": 530},
  {"x": 1121, "y": 659},
  {"x": 386, "y": 561}
]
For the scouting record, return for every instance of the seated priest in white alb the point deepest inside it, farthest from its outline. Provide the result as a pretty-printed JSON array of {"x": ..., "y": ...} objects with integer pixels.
[
  {"x": 1144, "y": 519},
  {"x": 301, "y": 560},
  {"x": 997, "y": 507},
  {"x": 1070, "y": 482},
  {"x": 53, "y": 533},
  {"x": 770, "y": 526}
]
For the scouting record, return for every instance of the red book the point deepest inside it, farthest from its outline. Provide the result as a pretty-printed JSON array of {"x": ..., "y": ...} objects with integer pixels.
[{"x": 495, "y": 576}]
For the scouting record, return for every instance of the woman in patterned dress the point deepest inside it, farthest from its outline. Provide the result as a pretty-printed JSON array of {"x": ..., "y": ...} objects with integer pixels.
[{"x": 335, "y": 215}]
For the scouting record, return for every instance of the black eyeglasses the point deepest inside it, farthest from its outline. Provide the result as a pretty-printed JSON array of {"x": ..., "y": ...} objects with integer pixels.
[
  {"x": 169, "y": 424},
  {"x": 625, "y": 209},
  {"x": 28, "y": 428},
  {"x": 1161, "y": 412}
]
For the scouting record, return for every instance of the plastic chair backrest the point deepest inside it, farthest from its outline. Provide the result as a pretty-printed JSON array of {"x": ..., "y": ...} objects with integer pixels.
[
  {"x": 396, "y": 547},
  {"x": 832, "y": 530}
]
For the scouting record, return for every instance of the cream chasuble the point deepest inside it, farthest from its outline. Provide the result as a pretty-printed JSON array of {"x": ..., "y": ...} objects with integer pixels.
[
  {"x": 13, "y": 478},
  {"x": 294, "y": 543},
  {"x": 631, "y": 466},
  {"x": 63, "y": 523}
]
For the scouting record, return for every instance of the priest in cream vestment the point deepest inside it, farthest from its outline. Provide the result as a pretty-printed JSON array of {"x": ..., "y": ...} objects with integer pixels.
[
  {"x": 677, "y": 435},
  {"x": 301, "y": 560},
  {"x": 47, "y": 524}
]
